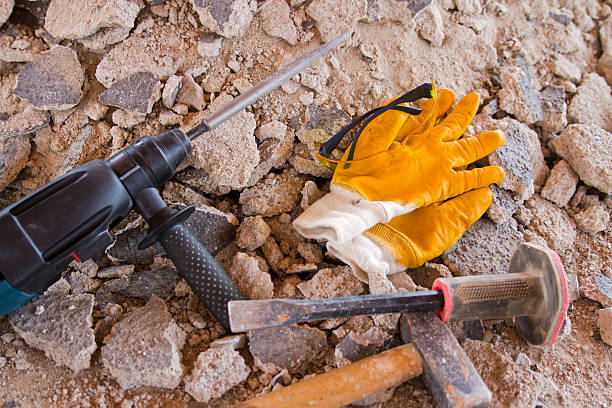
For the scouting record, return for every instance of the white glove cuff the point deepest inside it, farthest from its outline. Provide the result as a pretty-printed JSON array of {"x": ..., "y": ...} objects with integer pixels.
[
  {"x": 365, "y": 257},
  {"x": 341, "y": 215}
]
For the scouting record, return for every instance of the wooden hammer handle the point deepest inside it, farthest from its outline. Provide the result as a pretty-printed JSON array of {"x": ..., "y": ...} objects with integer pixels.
[{"x": 347, "y": 384}]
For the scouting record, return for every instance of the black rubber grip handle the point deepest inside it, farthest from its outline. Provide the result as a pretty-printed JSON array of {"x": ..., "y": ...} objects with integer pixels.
[{"x": 201, "y": 271}]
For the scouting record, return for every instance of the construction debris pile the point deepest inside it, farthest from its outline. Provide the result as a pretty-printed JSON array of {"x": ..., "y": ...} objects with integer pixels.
[{"x": 82, "y": 79}]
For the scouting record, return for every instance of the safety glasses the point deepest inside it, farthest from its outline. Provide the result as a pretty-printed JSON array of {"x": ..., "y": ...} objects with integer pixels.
[{"x": 421, "y": 121}]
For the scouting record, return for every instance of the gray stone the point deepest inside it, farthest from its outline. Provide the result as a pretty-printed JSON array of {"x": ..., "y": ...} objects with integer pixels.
[
  {"x": 251, "y": 277},
  {"x": 191, "y": 94},
  {"x": 598, "y": 288},
  {"x": 425, "y": 275},
  {"x": 215, "y": 372},
  {"x": 592, "y": 103},
  {"x": 52, "y": 81},
  {"x": 486, "y": 248},
  {"x": 273, "y": 154},
  {"x": 212, "y": 228},
  {"x": 229, "y": 18},
  {"x": 561, "y": 184},
  {"x": 518, "y": 96},
  {"x": 144, "y": 348},
  {"x": 503, "y": 206},
  {"x": 554, "y": 109},
  {"x": 321, "y": 124},
  {"x": 333, "y": 17},
  {"x": 141, "y": 285},
  {"x": 209, "y": 45},
  {"x": 331, "y": 283},
  {"x": 357, "y": 346},
  {"x": 277, "y": 22},
  {"x": 137, "y": 93},
  {"x": 124, "y": 248},
  {"x": 6, "y": 8},
  {"x": 14, "y": 153},
  {"x": 300, "y": 346},
  {"x": 252, "y": 233},
  {"x": 587, "y": 149},
  {"x": 229, "y": 152},
  {"x": 276, "y": 194},
  {"x": 74, "y": 19},
  {"x": 551, "y": 223},
  {"x": 171, "y": 90},
  {"x": 62, "y": 330}
]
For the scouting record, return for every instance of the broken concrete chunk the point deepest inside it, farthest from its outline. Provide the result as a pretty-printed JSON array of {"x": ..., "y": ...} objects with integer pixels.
[
  {"x": 551, "y": 223},
  {"x": 229, "y": 152},
  {"x": 141, "y": 285},
  {"x": 321, "y": 124},
  {"x": 74, "y": 19},
  {"x": 215, "y": 372},
  {"x": 14, "y": 153},
  {"x": 333, "y": 17},
  {"x": 503, "y": 206},
  {"x": 277, "y": 22},
  {"x": 168, "y": 118},
  {"x": 332, "y": 282},
  {"x": 126, "y": 240},
  {"x": 598, "y": 288},
  {"x": 593, "y": 219},
  {"x": 357, "y": 346},
  {"x": 137, "y": 93},
  {"x": 229, "y": 18},
  {"x": 300, "y": 347},
  {"x": 191, "y": 94},
  {"x": 605, "y": 325},
  {"x": 236, "y": 341},
  {"x": 485, "y": 248},
  {"x": 115, "y": 271},
  {"x": 212, "y": 228},
  {"x": 554, "y": 109},
  {"x": 312, "y": 253},
  {"x": 144, "y": 348},
  {"x": 431, "y": 26},
  {"x": 276, "y": 194},
  {"x": 273, "y": 154},
  {"x": 587, "y": 149},
  {"x": 315, "y": 77},
  {"x": 592, "y": 103},
  {"x": 252, "y": 281},
  {"x": 304, "y": 162},
  {"x": 561, "y": 184},
  {"x": 104, "y": 37},
  {"x": 59, "y": 325},
  {"x": 24, "y": 123},
  {"x": 566, "y": 69},
  {"x": 252, "y": 233},
  {"x": 209, "y": 45},
  {"x": 425, "y": 275},
  {"x": 518, "y": 95},
  {"x": 171, "y": 90},
  {"x": 271, "y": 130},
  {"x": 6, "y": 8},
  {"x": 52, "y": 81}
]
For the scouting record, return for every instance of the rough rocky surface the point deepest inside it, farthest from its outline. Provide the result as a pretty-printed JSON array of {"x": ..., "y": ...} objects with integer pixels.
[
  {"x": 252, "y": 233},
  {"x": 216, "y": 371},
  {"x": 605, "y": 325},
  {"x": 6, "y": 8},
  {"x": 60, "y": 326},
  {"x": 52, "y": 81},
  {"x": 144, "y": 348},
  {"x": 82, "y": 18},
  {"x": 586, "y": 148},
  {"x": 300, "y": 346},
  {"x": 561, "y": 184},
  {"x": 549, "y": 50},
  {"x": 137, "y": 93}
]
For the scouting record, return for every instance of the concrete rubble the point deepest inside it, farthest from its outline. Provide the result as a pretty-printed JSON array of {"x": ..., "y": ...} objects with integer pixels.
[
  {"x": 81, "y": 80},
  {"x": 61, "y": 327},
  {"x": 144, "y": 348}
]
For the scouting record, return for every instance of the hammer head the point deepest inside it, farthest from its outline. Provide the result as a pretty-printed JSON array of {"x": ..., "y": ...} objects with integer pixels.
[{"x": 449, "y": 373}]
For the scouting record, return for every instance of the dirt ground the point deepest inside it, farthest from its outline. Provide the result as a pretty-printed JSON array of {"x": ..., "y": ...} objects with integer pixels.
[{"x": 543, "y": 74}]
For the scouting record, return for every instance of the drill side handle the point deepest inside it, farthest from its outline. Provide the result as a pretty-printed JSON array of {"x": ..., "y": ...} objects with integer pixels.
[{"x": 201, "y": 271}]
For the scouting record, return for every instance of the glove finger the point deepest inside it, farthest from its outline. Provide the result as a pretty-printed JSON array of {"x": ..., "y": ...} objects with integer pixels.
[
  {"x": 467, "y": 180},
  {"x": 466, "y": 208},
  {"x": 444, "y": 100},
  {"x": 455, "y": 124},
  {"x": 380, "y": 133},
  {"x": 469, "y": 149}
]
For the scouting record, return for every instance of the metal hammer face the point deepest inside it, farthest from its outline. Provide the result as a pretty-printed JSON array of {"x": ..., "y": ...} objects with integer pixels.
[
  {"x": 450, "y": 375},
  {"x": 534, "y": 290}
]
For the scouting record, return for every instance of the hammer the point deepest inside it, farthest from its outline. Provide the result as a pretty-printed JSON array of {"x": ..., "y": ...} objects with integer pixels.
[
  {"x": 534, "y": 291},
  {"x": 434, "y": 351}
]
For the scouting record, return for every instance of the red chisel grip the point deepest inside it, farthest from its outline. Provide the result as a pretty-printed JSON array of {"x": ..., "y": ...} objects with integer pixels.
[
  {"x": 535, "y": 292},
  {"x": 201, "y": 271}
]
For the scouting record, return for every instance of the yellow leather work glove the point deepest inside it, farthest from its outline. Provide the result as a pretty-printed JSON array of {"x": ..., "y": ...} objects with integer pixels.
[
  {"x": 409, "y": 240},
  {"x": 392, "y": 173}
]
